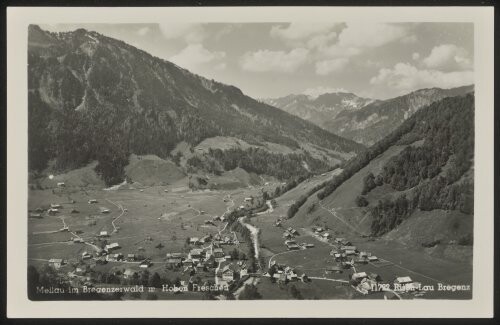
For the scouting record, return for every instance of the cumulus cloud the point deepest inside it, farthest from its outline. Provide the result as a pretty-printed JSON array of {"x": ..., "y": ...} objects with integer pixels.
[
  {"x": 371, "y": 35},
  {"x": 415, "y": 56},
  {"x": 316, "y": 92},
  {"x": 405, "y": 78},
  {"x": 299, "y": 31},
  {"x": 448, "y": 57},
  {"x": 327, "y": 67},
  {"x": 194, "y": 55},
  {"x": 189, "y": 32},
  {"x": 281, "y": 61}
]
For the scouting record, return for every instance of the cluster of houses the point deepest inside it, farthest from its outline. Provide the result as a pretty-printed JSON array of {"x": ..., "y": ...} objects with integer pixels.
[
  {"x": 284, "y": 273},
  {"x": 216, "y": 240},
  {"x": 233, "y": 271},
  {"x": 321, "y": 232}
]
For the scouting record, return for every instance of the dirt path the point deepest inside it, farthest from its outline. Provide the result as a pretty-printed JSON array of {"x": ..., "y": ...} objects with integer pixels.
[{"x": 119, "y": 206}]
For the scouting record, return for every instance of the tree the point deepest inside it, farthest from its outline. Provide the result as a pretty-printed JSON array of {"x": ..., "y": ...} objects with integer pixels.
[
  {"x": 250, "y": 293},
  {"x": 155, "y": 281},
  {"x": 296, "y": 294},
  {"x": 361, "y": 201}
]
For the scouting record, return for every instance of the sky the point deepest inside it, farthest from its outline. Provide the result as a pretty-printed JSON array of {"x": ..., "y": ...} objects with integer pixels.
[{"x": 269, "y": 60}]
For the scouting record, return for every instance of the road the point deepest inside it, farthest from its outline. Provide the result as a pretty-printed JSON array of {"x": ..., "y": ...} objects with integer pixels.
[{"x": 121, "y": 214}]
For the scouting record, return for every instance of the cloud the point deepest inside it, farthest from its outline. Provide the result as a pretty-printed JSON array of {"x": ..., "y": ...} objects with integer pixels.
[
  {"x": 194, "y": 55},
  {"x": 371, "y": 35},
  {"x": 299, "y": 31},
  {"x": 143, "y": 31},
  {"x": 189, "y": 32},
  {"x": 448, "y": 57},
  {"x": 327, "y": 67},
  {"x": 316, "y": 92},
  {"x": 280, "y": 61},
  {"x": 415, "y": 56},
  {"x": 405, "y": 78}
]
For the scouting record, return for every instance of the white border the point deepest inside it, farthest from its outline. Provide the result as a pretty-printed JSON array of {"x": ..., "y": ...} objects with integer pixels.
[{"x": 19, "y": 306}]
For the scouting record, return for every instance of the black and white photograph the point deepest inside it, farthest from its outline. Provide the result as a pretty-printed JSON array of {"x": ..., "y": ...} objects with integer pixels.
[{"x": 269, "y": 160}]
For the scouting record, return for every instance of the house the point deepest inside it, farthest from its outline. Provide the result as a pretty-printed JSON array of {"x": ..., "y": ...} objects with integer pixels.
[
  {"x": 359, "y": 276},
  {"x": 292, "y": 246},
  {"x": 218, "y": 253},
  {"x": 145, "y": 264},
  {"x": 372, "y": 258},
  {"x": 403, "y": 280},
  {"x": 196, "y": 253},
  {"x": 34, "y": 215},
  {"x": 333, "y": 269},
  {"x": 188, "y": 262},
  {"x": 348, "y": 248},
  {"x": 56, "y": 262},
  {"x": 349, "y": 252},
  {"x": 111, "y": 247},
  {"x": 55, "y": 206},
  {"x": 78, "y": 240},
  {"x": 86, "y": 255},
  {"x": 194, "y": 241},
  {"x": 326, "y": 235},
  {"x": 129, "y": 274},
  {"x": 92, "y": 201},
  {"x": 304, "y": 278},
  {"x": 131, "y": 257},
  {"x": 206, "y": 239},
  {"x": 287, "y": 235},
  {"x": 174, "y": 261},
  {"x": 363, "y": 254},
  {"x": 61, "y": 184},
  {"x": 306, "y": 245},
  {"x": 318, "y": 229},
  {"x": 104, "y": 210},
  {"x": 248, "y": 199},
  {"x": 52, "y": 212},
  {"x": 74, "y": 211},
  {"x": 103, "y": 233},
  {"x": 227, "y": 273}
]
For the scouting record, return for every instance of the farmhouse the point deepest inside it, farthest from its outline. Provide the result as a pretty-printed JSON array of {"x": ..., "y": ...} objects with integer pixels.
[
  {"x": 287, "y": 235},
  {"x": 196, "y": 253},
  {"x": 229, "y": 272},
  {"x": 111, "y": 247},
  {"x": 306, "y": 245},
  {"x": 333, "y": 269},
  {"x": 145, "y": 264},
  {"x": 194, "y": 241},
  {"x": 55, "y": 206},
  {"x": 174, "y": 261},
  {"x": 52, "y": 212},
  {"x": 86, "y": 255},
  {"x": 317, "y": 229},
  {"x": 292, "y": 246},
  {"x": 248, "y": 199},
  {"x": 348, "y": 248},
  {"x": 103, "y": 233},
  {"x": 92, "y": 201},
  {"x": 350, "y": 252},
  {"x": 372, "y": 258},
  {"x": 359, "y": 276},
  {"x": 78, "y": 240},
  {"x": 104, "y": 210},
  {"x": 74, "y": 211},
  {"x": 130, "y": 257},
  {"x": 403, "y": 280},
  {"x": 61, "y": 184},
  {"x": 56, "y": 262},
  {"x": 218, "y": 253},
  {"x": 326, "y": 235},
  {"x": 188, "y": 262}
]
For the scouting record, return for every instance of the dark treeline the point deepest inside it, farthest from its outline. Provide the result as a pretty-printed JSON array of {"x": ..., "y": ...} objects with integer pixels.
[{"x": 259, "y": 161}]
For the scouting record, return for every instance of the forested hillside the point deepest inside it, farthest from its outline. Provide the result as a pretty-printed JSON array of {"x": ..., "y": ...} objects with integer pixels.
[
  {"x": 92, "y": 97},
  {"x": 434, "y": 171}
]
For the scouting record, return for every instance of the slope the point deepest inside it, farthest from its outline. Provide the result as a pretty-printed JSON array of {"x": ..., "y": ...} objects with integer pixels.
[{"x": 92, "y": 97}]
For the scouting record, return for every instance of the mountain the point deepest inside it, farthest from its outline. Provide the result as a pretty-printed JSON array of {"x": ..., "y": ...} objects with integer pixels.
[
  {"x": 374, "y": 121},
  {"x": 319, "y": 109},
  {"x": 415, "y": 186},
  {"x": 95, "y": 98}
]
